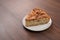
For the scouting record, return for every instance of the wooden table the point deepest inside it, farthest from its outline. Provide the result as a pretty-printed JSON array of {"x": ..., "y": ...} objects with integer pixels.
[{"x": 13, "y": 11}]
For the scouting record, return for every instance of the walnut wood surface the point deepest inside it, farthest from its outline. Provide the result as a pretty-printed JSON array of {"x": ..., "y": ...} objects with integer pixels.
[{"x": 13, "y": 11}]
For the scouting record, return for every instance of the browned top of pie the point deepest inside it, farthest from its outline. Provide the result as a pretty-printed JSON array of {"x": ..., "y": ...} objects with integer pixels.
[{"x": 37, "y": 13}]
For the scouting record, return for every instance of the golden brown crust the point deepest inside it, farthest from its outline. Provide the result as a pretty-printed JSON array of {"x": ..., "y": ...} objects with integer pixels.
[{"x": 37, "y": 13}]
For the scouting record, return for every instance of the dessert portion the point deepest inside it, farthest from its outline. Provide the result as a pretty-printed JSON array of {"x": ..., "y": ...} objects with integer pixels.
[{"x": 37, "y": 17}]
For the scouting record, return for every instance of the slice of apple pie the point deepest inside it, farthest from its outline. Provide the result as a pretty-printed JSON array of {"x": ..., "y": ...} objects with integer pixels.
[{"x": 37, "y": 17}]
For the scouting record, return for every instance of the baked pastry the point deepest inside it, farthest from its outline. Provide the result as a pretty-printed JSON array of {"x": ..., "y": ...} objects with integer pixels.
[{"x": 37, "y": 17}]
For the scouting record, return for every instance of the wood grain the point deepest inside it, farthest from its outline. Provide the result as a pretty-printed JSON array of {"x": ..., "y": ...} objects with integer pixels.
[{"x": 13, "y": 11}]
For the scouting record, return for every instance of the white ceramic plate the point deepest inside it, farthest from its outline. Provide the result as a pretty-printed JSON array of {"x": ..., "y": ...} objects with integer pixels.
[{"x": 38, "y": 27}]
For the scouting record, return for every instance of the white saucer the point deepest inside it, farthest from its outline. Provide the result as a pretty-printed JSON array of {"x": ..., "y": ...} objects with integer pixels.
[{"x": 38, "y": 27}]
